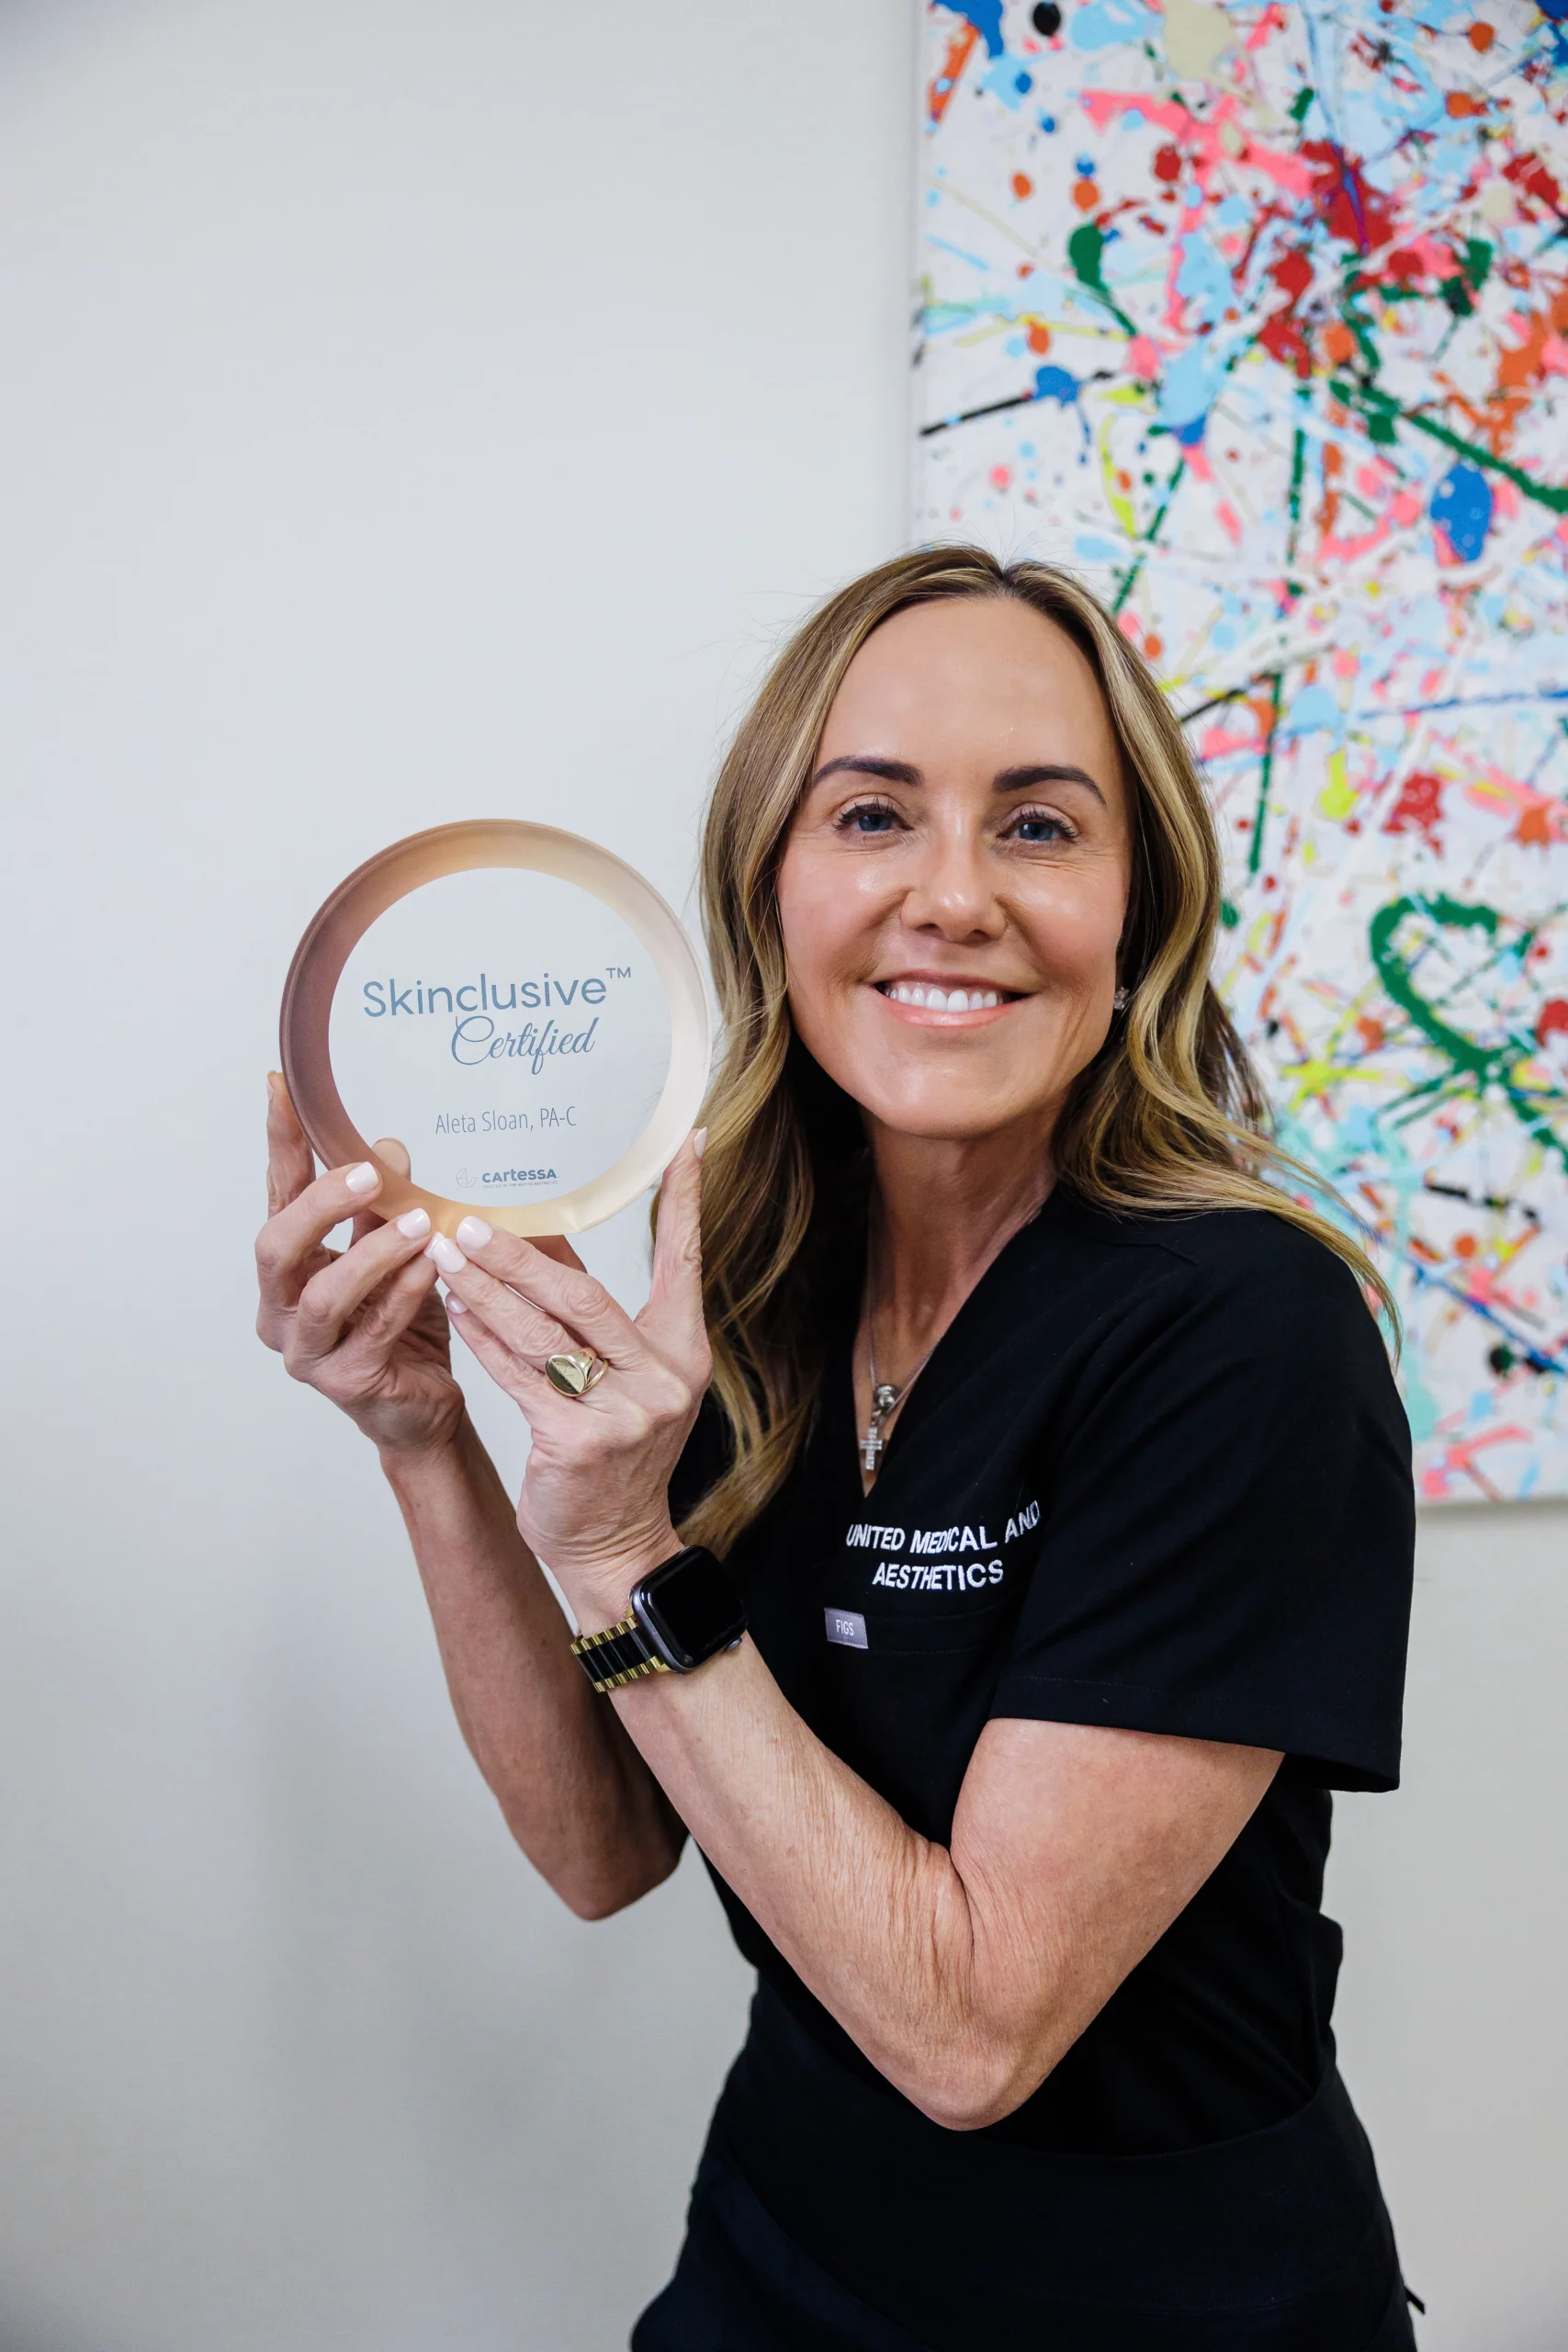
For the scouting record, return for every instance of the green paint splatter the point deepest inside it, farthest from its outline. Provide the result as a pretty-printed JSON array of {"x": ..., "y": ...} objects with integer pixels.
[
  {"x": 1475, "y": 1065},
  {"x": 1298, "y": 464},
  {"x": 1130, "y": 576},
  {"x": 1384, "y": 416},
  {"x": 1477, "y": 261},
  {"x": 1086, "y": 251},
  {"x": 1255, "y": 854}
]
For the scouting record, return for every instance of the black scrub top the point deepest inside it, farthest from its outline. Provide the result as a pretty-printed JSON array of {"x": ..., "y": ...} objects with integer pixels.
[{"x": 1157, "y": 1475}]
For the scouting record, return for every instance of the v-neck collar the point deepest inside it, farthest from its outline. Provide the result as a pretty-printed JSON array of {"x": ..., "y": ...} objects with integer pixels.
[{"x": 940, "y": 1358}]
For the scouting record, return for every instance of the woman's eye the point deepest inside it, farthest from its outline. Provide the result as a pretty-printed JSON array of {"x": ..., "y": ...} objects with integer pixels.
[
  {"x": 868, "y": 817},
  {"x": 1036, "y": 825}
]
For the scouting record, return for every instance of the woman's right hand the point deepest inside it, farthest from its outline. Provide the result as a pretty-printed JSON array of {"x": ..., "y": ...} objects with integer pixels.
[{"x": 363, "y": 1324}]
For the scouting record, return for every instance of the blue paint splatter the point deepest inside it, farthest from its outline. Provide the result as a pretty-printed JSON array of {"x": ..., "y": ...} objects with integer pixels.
[
  {"x": 944, "y": 244},
  {"x": 1103, "y": 24},
  {"x": 1055, "y": 384},
  {"x": 1004, "y": 80},
  {"x": 1188, "y": 392},
  {"x": 1204, "y": 280},
  {"x": 1314, "y": 707},
  {"x": 986, "y": 15},
  {"x": 1461, "y": 508}
]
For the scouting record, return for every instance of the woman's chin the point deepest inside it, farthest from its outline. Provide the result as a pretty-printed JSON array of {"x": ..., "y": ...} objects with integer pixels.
[{"x": 920, "y": 1118}]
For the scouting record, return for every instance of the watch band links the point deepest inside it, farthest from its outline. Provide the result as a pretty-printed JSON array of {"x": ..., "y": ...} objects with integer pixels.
[{"x": 617, "y": 1657}]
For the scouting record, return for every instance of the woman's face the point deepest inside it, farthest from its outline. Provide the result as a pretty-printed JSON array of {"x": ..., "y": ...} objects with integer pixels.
[{"x": 954, "y": 885}]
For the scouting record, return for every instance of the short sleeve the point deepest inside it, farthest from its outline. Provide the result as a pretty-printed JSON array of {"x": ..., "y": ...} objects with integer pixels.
[{"x": 1228, "y": 1524}]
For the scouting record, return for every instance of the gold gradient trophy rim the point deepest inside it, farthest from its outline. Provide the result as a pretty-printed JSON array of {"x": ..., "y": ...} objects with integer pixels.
[{"x": 393, "y": 874}]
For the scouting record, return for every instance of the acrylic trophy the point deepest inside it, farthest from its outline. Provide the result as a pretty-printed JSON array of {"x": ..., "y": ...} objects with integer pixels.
[{"x": 514, "y": 1005}]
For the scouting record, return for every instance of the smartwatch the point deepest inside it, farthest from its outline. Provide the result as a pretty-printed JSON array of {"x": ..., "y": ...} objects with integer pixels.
[{"x": 682, "y": 1612}]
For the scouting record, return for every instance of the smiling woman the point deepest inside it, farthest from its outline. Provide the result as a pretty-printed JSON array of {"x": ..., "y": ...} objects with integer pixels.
[
  {"x": 1012, "y": 1780},
  {"x": 982, "y": 729}
]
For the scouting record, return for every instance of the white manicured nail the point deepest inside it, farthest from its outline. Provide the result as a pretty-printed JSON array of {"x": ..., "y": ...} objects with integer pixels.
[
  {"x": 473, "y": 1233},
  {"x": 447, "y": 1254},
  {"x": 363, "y": 1179},
  {"x": 455, "y": 1305},
  {"x": 700, "y": 1141},
  {"x": 417, "y": 1225}
]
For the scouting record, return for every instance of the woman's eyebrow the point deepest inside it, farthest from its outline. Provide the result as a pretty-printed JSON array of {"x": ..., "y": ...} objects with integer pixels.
[
  {"x": 1019, "y": 779},
  {"x": 868, "y": 763},
  {"x": 1023, "y": 779}
]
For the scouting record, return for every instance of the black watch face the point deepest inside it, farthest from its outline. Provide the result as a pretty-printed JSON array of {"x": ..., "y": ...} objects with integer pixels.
[{"x": 693, "y": 1604}]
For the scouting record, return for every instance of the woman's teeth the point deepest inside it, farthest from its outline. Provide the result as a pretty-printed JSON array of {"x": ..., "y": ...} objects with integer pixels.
[{"x": 942, "y": 1000}]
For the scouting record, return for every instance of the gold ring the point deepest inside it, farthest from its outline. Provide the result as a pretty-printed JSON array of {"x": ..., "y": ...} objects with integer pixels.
[{"x": 575, "y": 1374}]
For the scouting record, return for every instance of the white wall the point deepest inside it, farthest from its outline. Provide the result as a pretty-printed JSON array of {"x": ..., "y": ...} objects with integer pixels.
[
  {"x": 412, "y": 412},
  {"x": 411, "y": 409}
]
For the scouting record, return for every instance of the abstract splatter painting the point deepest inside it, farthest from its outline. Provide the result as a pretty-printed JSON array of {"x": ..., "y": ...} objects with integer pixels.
[{"x": 1257, "y": 315}]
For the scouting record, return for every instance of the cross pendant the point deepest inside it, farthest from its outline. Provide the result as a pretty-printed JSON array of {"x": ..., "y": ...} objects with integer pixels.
[{"x": 871, "y": 1446}]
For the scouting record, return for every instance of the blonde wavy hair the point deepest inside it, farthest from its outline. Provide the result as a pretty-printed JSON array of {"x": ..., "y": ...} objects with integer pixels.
[{"x": 1169, "y": 1114}]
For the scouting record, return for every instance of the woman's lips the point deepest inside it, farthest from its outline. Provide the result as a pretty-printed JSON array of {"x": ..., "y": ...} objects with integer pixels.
[{"x": 926, "y": 1001}]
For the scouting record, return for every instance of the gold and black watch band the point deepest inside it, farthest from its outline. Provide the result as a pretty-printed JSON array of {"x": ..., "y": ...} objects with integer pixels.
[{"x": 617, "y": 1657}]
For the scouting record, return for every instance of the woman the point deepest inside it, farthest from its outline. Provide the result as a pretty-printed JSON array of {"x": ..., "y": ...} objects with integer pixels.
[{"x": 1056, "y": 1459}]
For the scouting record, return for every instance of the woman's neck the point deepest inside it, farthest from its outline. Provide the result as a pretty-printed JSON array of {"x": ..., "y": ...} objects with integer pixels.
[{"x": 940, "y": 1212}]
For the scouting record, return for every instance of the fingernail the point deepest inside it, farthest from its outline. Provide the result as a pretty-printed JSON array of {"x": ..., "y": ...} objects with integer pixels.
[
  {"x": 700, "y": 1141},
  {"x": 363, "y": 1179},
  {"x": 417, "y": 1225},
  {"x": 447, "y": 1254},
  {"x": 455, "y": 1305},
  {"x": 473, "y": 1233}
]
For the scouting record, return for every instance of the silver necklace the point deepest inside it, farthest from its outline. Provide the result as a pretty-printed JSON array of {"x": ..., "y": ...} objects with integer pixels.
[{"x": 885, "y": 1398}]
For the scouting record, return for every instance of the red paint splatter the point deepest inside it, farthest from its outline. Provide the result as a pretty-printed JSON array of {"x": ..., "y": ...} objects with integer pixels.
[
  {"x": 1167, "y": 164},
  {"x": 1280, "y": 335},
  {"x": 1419, "y": 807},
  {"x": 1292, "y": 274},
  {"x": 1528, "y": 173},
  {"x": 1480, "y": 37},
  {"x": 1358, "y": 215},
  {"x": 1553, "y": 1021},
  {"x": 1022, "y": 185},
  {"x": 1038, "y": 336}
]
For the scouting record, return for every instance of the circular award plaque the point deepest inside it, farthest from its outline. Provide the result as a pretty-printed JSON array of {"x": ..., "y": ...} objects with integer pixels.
[{"x": 517, "y": 1008}]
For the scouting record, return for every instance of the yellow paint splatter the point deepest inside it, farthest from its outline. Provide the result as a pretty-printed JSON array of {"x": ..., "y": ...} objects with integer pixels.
[{"x": 1336, "y": 799}]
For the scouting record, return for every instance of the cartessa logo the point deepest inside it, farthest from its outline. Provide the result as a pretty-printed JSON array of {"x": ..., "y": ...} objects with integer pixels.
[{"x": 519, "y": 1176}]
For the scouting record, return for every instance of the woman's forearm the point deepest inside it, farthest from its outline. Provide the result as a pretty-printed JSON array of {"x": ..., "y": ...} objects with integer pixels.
[
  {"x": 872, "y": 1917},
  {"x": 575, "y": 1794},
  {"x": 964, "y": 1972}
]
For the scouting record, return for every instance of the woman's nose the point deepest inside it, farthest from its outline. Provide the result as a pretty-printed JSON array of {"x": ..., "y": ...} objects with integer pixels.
[{"x": 953, "y": 891}]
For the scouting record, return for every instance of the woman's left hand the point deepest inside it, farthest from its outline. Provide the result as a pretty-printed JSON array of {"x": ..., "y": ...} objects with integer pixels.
[{"x": 594, "y": 1506}]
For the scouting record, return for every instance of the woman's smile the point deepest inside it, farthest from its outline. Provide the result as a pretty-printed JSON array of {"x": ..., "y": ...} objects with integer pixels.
[{"x": 936, "y": 1000}]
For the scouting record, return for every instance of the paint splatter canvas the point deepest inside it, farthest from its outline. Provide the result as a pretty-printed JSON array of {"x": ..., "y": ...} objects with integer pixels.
[{"x": 1258, "y": 316}]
